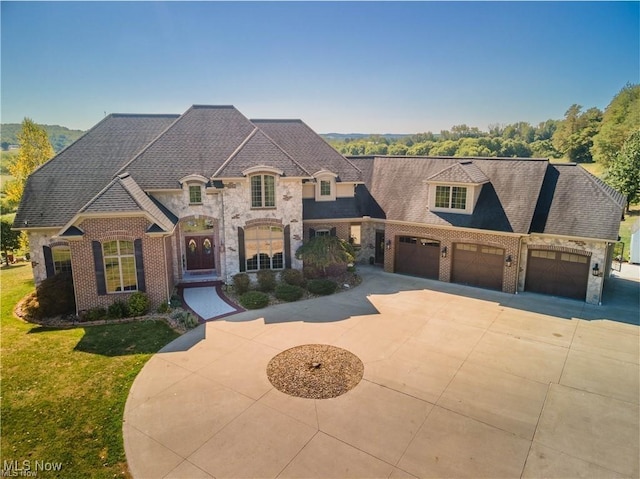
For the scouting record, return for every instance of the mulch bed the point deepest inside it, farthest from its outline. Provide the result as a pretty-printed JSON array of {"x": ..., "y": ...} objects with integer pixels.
[{"x": 315, "y": 371}]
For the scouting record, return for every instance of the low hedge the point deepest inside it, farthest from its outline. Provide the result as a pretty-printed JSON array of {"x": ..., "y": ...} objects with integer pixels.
[
  {"x": 266, "y": 280},
  {"x": 241, "y": 283},
  {"x": 293, "y": 277},
  {"x": 321, "y": 286},
  {"x": 289, "y": 292},
  {"x": 254, "y": 300}
]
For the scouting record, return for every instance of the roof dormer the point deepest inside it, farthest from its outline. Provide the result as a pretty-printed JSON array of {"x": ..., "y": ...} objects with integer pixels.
[
  {"x": 325, "y": 185},
  {"x": 456, "y": 188}
]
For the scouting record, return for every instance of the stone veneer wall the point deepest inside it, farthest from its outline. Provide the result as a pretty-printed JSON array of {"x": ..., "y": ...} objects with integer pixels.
[
  {"x": 238, "y": 213},
  {"x": 106, "y": 229},
  {"x": 38, "y": 239},
  {"x": 599, "y": 255}
]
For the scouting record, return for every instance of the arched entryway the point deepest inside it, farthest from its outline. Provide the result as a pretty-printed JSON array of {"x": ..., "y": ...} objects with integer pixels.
[{"x": 200, "y": 251}]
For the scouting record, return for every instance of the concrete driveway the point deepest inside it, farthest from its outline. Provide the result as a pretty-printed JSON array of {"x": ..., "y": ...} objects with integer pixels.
[{"x": 458, "y": 382}]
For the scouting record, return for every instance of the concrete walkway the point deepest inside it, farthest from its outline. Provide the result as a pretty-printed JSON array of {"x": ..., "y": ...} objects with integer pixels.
[{"x": 458, "y": 382}]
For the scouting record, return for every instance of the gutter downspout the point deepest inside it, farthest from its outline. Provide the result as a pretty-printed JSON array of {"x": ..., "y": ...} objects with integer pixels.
[{"x": 166, "y": 273}]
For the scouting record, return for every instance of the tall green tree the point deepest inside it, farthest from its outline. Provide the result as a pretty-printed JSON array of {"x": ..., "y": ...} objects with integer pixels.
[
  {"x": 620, "y": 119},
  {"x": 623, "y": 173},
  {"x": 9, "y": 239},
  {"x": 35, "y": 149},
  {"x": 574, "y": 135}
]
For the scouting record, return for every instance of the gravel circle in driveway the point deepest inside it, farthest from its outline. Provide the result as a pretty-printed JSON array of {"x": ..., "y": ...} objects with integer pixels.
[{"x": 315, "y": 371}]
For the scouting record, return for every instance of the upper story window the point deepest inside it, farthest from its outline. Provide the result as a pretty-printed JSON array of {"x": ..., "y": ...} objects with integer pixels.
[
  {"x": 195, "y": 194},
  {"x": 325, "y": 188},
  {"x": 451, "y": 197},
  {"x": 263, "y": 191},
  {"x": 119, "y": 266}
]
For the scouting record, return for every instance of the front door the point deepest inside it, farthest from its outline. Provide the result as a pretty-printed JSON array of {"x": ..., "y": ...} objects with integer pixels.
[{"x": 199, "y": 252}]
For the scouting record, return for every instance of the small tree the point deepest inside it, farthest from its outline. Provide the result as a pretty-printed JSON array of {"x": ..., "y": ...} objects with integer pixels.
[
  {"x": 10, "y": 239},
  {"x": 321, "y": 252},
  {"x": 35, "y": 149},
  {"x": 624, "y": 172}
]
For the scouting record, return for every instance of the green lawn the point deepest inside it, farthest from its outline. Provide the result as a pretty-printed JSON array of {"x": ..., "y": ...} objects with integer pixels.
[{"x": 64, "y": 391}]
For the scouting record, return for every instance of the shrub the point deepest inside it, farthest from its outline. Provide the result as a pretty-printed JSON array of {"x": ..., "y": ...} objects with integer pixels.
[
  {"x": 323, "y": 254},
  {"x": 241, "y": 283},
  {"x": 176, "y": 302},
  {"x": 254, "y": 300},
  {"x": 322, "y": 287},
  {"x": 97, "y": 313},
  {"x": 266, "y": 280},
  {"x": 163, "y": 308},
  {"x": 117, "y": 310},
  {"x": 53, "y": 297},
  {"x": 185, "y": 318},
  {"x": 138, "y": 304},
  {"x": 289, "y": 292},
  {"x": 293, "y": 277}
]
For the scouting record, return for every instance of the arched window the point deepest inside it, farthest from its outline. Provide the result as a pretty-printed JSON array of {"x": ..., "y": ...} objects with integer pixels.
[
  {"x": 119, "y": 266},
  {"x": 263, "y": 191},
  {"x": 264, "y": 247}
]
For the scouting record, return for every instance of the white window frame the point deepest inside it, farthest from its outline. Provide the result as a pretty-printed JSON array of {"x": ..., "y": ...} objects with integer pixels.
[
  {"x": 119, "y": 256},
  {"x": 469, "y": 197},
  {"x": 263, "y": 191}
]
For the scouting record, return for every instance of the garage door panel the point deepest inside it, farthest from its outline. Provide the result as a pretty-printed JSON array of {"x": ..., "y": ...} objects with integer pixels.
[
  {"x": 478, "y": 265},
  {"x": 557, "y": 273},
  {"x": 417, "y": 257}
]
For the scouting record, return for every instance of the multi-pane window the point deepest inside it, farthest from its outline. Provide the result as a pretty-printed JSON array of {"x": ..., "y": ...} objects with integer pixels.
[
  {"x": 263, "y": 191},
  {"x": 453, "y": 197},
  {"x": 325, "y": 188},
  {"x": 119, "y": 266},
  {"x": 195, "y": 194},
  {"x": 323, "y": 233},
  {"x": 264, "y": 247},
  {"x": 355, "y": 234},
  {"x": 61, "y": 259}
]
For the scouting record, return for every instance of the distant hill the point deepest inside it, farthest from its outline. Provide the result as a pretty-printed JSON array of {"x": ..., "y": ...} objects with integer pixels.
[
  {"x": 358, "y": 136},
  {"x": 60, "y": 136}
]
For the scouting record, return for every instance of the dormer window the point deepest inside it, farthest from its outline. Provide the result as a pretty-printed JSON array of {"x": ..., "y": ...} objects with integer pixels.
[
  {"x": 325, "y": 185},
  {"x": 451, "y": 197},
  {"x": 195, "y": 194}
]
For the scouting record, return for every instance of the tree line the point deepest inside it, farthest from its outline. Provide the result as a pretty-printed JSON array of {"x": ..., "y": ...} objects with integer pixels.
[{"x": 581, "y": 136}]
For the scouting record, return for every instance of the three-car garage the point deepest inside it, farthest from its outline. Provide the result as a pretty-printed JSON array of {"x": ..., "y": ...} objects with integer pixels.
[{"x": 557, "y": 273}]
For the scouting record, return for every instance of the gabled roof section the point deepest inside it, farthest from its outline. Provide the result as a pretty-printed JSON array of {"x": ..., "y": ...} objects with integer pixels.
[
  {"x": 58, "y": 189},
  {"x": 308, "y": 148},
  {"x": 123, "y": 195},
  {"x": 258, "y": 149},
  {"x": 199, "y": 142},
  {"x": 506, "y": 203},
  {"x": 462, "y": 172},
  {"x": 573, "y": 202}
]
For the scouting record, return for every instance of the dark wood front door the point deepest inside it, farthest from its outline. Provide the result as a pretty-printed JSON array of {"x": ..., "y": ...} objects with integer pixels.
[
  {"x": 478, "y": 265},
  {"x": 417, "y": 256},
  {"x": 199, "y": 252}
]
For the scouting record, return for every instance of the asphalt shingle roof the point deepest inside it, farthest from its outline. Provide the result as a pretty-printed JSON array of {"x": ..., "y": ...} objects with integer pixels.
[
  {"x": 308, "y": 148},
  {"x": 399, "y": 185},
  {"x": 462, "y": 172},
  {"x": 57, "y": 190}
]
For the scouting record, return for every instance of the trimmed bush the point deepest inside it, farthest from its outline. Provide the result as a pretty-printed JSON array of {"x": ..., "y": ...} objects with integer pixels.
[
  {"x": 163, "y": 308},
  {"x": 138, "y": 304},
  {"x": 266, "y": 280},
  {"x": 118, "y": 310},
  {"x": 289, "y": 292},
  {"x": 322, "y": 287},
  {"x": 94, "y": 314},
  {"x": 254, "y": 300},
  {"x": 241, "y": 283},
  {"x": 293, "y": 277},
  {"x": 53, "y": 297}
]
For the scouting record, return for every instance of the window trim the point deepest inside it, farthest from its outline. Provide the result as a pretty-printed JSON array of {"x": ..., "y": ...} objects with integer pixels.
[
  {"x": 257, "y": 241},
  {"x": 119, "y": 256},
  {"x": 464, "y": 193},
  {"x": 192, "y": 189},
  {"x": 263, "y": 191},
  {"x": 328, "y": 178},
  {"x": 61, "y": 266}
]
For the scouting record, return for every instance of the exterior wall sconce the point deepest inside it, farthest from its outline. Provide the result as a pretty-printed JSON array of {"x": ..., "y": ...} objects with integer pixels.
[
  {"x": 34, "y": 264},
  {"x": 508, "y": 261},
  {"x": 596, "y": 270},
  {"x": 443, "y": 253},
  {"x": 388, "y": 244}
]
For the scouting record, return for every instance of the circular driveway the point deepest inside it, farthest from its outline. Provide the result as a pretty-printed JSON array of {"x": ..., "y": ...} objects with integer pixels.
[{"x": 458, "y": 382}]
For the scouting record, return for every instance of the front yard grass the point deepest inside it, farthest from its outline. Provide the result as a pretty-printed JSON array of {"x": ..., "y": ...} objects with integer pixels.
[{"x": 64, "y": 390}]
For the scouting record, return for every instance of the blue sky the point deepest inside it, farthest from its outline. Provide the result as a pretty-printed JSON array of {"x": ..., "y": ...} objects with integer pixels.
[{"x": 340, "y": 66}]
